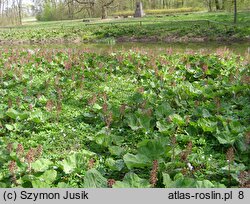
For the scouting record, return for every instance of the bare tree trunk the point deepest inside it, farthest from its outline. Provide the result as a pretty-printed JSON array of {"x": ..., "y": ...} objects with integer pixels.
[
  {"x": 164, "y": 4},
  {"x": 223, "y": 5},
  {"x": 209, "y": 5},
  {"x": 92, "y": 9},
  {"x": 19, "y": 11},
  {"x": 217, "y": 5},
  {"x": 105, "y": 6},
  {"x": 235, "y": 11},
  {"x": 104, "y": 12}
]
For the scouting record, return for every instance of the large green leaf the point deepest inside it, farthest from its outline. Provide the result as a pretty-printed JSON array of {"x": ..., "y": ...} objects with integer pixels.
[
  {"x": 49, "y": 176},
  {"x": 103, "y": 139},
  {"x": 136, "y": 161},
  {"x": 165, "y": 127},
  {"x": 69, "y": 164},
  {"x": 45, "y": 180},
  {"x": 132, "y": 180},
  {"x": 152, "y": 149},
  {"x": 75, "y": 160},
  {"x": 225, "y": 137},
  {"x": 97, "y": 107},
  {"x": 36, "y": 116},
  {"x": 133, "y": 122},
  {"x": 207, "y": 125},
  {"x": 115, "y": 165},
  {"x": 12, "y": 113},
  {"x": 167, "y": 181},
  {"x": 163, "y": 111},
  {"x": 116, "y": 150},
  {"x": 9, "y": 127},
  {"x": 204, "y": 184},
  {"x": 148, "y": 151},
  {"x": 177, "y": 119},
  {"x": 63, "y": 185},
  {"x": 144, "y": 121},
  {"x": 41, "y": 165},
  {"x": 205, "y": 113},
  {"x": 40, "y": 184},
  {"x": 184, "y": 182},
  {"x": 94, "y": 179}
]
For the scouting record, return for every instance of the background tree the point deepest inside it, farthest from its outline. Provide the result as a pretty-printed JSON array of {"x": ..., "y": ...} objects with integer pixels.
[
  {"x": 46, "y": 10},
  {"x": 10, "y": 12},
  {"x": 105, "y": 5},
  {"x": 235, "y": 11}
]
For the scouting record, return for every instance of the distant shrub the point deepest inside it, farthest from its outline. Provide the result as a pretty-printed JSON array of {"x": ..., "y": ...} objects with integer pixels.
[
  {"x": 46, "y": 14},
  {"x": 159, "y": 11},
  {"x": 172, "y": 11}
]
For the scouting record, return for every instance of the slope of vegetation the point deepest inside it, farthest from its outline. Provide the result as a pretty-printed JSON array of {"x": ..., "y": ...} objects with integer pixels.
[
  {"x": 192, "y": 27},
  {"x": 71, "y": 118}
]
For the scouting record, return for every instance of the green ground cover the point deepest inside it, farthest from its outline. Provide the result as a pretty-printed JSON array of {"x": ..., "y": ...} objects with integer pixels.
[
  {"x": 75, "y": 118},
  {"x": 188, "y": 27}
]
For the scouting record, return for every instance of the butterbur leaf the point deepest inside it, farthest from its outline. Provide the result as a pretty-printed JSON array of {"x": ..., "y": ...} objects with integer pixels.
[
  {"x": 41, "y": 165},
  {"x": 69, "y": 164},
  {"x": 205, "y": 113},
  {"x": 225, "y": 137},
  {"x": 236, "y": 127},
  {"x": 87, "y": 153},
  {"x": 167, "y": 181},
  {"x": 49, "y": 176},
  {"x": 242, "y": 145},
  {"x": 137, "y": 98},
  {"x": 163, "y": 110},
  {"x": 204, "y": 184},
  {"x": 207, "y": 125},
  {"x": 177, "y": 119},
  {"x": 132, "y": 122},
  {"x": 23, "y": 116},
  {"x": 63, "y": 185},
  {"x": 184, "y": 182},
  {"x": 115, "y": 165},
  {"x": 165, "y": 127},
  {"x": 136, "y": 161},
  {"x": 40, "y": 184},
  {"x": 94, "y": 179},
  {"x": 36, "y": 116},
  {"x": 148, "y": 151},
  {"x": 45, "y": 180},
  {"x": 153, "y": 149},
  {"x": 12, "y": 113},
  {"x": 75, "y": 161},
  {"x": 198, "y": 74},
  {"x": 97, "y": 107},
  {"x": 116, "y": 150},
  {"x": 144, "y": 122},
  {"x": 103, "y": 140},
  {"x": 9, "y": 127},
  {"x": 132, "y": 180}
]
